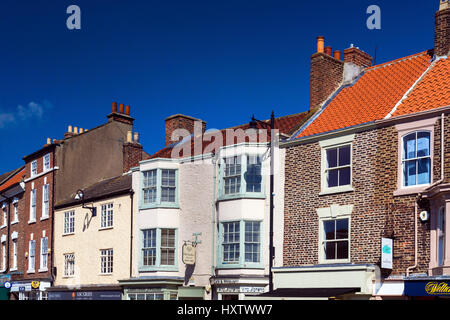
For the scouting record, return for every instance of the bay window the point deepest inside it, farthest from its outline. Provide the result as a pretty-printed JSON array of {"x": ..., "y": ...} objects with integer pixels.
[
  {"x": 158, "y": 249},
  {"x": 159, "y": 188}
]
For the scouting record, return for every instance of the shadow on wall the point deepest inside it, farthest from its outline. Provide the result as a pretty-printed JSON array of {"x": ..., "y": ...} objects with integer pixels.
[{"x": 188, "y": 273}]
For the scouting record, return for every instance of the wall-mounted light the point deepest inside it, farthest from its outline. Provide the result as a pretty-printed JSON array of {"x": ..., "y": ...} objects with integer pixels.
[{"x": 80, "y": 196}]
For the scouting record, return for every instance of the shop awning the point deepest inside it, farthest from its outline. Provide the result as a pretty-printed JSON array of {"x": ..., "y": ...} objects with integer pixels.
[
  {"x": 190, "y": 293},
  {"x": 309, "y": 292}
]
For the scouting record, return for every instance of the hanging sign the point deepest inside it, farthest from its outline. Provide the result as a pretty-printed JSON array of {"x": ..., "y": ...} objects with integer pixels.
[
  {"x": 386, "y": 253},
  {"x": 188, "y": 253}
]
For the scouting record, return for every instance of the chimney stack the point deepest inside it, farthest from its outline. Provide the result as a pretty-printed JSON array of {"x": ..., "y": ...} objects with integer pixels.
[
  {"x": 442, "y": 29},
  {"x": 357, "y": 56},
  {"x": 180, "y": 121},
  {"x": 121, "y": 115},
  {"x": 326, "y": 74},
  {"x": 69, "y": 133}
]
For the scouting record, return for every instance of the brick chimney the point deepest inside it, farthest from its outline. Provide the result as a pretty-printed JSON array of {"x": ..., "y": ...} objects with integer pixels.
[
  {"x": 181, "y": 121},
  {"x": 442, "y": 29},
  {"x": 326, "y": 73},
  {"x": 121, "y": 115},
  {"x": 358, "y": 57},
  {"x": 132, "y": 152}
]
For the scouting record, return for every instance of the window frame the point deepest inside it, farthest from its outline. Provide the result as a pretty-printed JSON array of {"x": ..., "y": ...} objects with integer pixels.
[
  {"x": 43, "y": 255},
  {"x": 324, "y": 241},
  {"x": 241, "y": 264},
  {"x": 68, "y": 274},
  {"x": 45, "y": 168},
  {"x": 31, "y": 249},
  {"x": 33, "y": 206},
  {"x": 244, "y": 162},
  {"x": 68, "y": 227},
  {"x": 106, "y": 213},
  {"x": 416, "y": 159},
  {"x": 45, "y": 203},
  {"x": 157, "y": 266},
  {"x": 33, "y": 168},
  {"x": 14, "y": 251},
  {"x": 106, "y": 261},
  {"x": 158, "y": 201}
]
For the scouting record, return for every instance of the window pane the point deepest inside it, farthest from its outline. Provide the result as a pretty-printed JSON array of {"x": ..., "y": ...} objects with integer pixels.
[
  {"x": 330, "y": 250},
  {"x": 332, "y": 178},
  {"x": 409, "y": 146},
  {"x": 329, "y": 228},
  {"x": 424, "y": 172},
  {"x": 331, "y": 158},
  {"x": 342, "y": 250},
  {"x": 423, "y": 144},
  {"x": 253, "y": 175},
  {"x": 342, "y": 229},
  {"x": 344, "y": 156},
  {"x": 409, "y": 173},
  {"x": 344, "y": 176}
]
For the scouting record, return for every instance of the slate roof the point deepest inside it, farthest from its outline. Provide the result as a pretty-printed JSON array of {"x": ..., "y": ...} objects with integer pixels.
[{"x": 103, "y": 189}]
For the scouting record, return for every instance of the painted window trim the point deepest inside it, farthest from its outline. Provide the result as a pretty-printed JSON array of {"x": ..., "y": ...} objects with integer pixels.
[
  {"x": 334, "y": 212},
  {"x": 242, "y": 264},
  {"x": 243, "y": 194},
  {"x": 402, "y": 131},
  {"x": 157, "y": 266},
  {"x": 158, "y": 203},
  {"x": 332, "y": 144}
]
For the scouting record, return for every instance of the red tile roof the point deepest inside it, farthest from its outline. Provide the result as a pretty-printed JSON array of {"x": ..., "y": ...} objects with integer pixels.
[
  {"x": 286, "y": 125},
  {"x": 373, "y": 95},
  {"x": 432, "y": 92},
  {"x": 12, "y": 180}
]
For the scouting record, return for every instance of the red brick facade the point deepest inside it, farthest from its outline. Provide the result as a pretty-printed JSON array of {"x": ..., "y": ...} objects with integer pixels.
[
  {"x": 376, "y": 213},
  {"x": 358, "y": 57},
  {"x": 442, "y": 32},
  {"x": 180, "y": 121}
]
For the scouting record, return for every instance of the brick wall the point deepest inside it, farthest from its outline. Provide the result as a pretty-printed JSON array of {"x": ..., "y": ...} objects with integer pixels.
[
  {"x": 180, "y": 121},
  {"x": 442, "y": 32},
  {"x": 358, "y": 57},
  {"x": 325, "y": 77},
  {"x": 376, "y": 211},
  {"x": 132, "y": 154}
]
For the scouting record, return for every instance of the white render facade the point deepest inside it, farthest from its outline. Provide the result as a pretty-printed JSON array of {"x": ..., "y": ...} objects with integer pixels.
[{"x": 221, "y": 203}]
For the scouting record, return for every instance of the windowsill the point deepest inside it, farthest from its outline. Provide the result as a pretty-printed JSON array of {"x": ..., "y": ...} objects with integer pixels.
[
  {"x": 240, "y": 266},
  {"x": 68, "y": 277},
  {"x": 105, "y": 228},
  {"x": 160, "y": 268},
  {"x": 14, "y": 222},
  {"x": 337, "y": 261},
  {"x": 43, "y": 270},
  {"x": 13, "y": 269},
  {"x": 2, "y": 227},
  {"x": 31, "y": 221},
  {"x": 241, "y": 196},
  {"x": 159, "y": 206},
  {"x": 68, "y": 234},
  {"x": 335, "y": 190},
  {"x": 3, "y": 271},
  {"x": 410, "y": 190},
  {"x": 31, "y": 271},
  {"x": 44, "y": 218},
  {"x": 105, "y": 274}
]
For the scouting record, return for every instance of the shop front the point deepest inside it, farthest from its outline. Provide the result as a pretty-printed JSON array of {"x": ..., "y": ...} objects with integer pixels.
[
  {"x": 432, "y": 288},
  {"x": 30, "y": 290},
  {"x": 85, "y": 293},
  {"x": 238, "y": 287}
]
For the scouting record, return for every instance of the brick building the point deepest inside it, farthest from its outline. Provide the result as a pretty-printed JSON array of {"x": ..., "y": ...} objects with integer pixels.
[
  {"x": 11, "y": 236},
  {"x": 52, "y": 175},
  {"x": 371, "y": 164}
]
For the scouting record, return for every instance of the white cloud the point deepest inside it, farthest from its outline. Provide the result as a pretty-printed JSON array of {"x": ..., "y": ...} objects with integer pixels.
[{"x": 32, "y": 110}]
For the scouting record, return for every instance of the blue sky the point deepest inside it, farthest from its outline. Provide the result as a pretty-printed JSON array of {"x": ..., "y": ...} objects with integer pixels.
[{"x": 220, "y": 61}]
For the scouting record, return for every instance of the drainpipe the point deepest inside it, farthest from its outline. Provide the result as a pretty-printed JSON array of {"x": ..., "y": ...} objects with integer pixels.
[
  {"x": 131, "y": 234},
  {"x": 215, "y": 160},
  {"x": 420, "y": 195}
]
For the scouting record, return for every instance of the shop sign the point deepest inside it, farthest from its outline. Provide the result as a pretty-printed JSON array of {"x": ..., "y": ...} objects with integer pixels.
[
  {"x": 188, "y": 254},
  {"x": 427, "y": 288},
  {"x": 240, "y": 290},
  {"x": 35, "y": 284},
  {"x": 225, "y": 281},
  {"x": 85, "y": 295},
  {"x": 386, "y": 253}
]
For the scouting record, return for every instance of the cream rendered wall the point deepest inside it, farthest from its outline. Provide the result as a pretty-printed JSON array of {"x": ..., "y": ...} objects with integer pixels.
[
  {"x": 195, "y": 191},
  {"x": 87, "y": 241}
]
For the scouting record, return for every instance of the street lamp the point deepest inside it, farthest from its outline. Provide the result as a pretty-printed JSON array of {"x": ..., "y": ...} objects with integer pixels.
[
  {"x": 80, "y": 196},
  {"x": 253, "y": 124}
]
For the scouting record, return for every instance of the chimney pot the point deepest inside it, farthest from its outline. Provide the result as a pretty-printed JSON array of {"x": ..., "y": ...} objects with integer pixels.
[
  {"x": 136, "y": 137},
  {"x": 69, "y": 129},
  {"x": 75, "y": 130},
  {"x": 328, "y": 50},
  {"x": 127, "y": 110},
  {"x": 121, "y": 108},
  {"x": 49, "y": 141},
  {"x": 114, "y": 107},
  {"x": 320, "y": 44},
  {"x": 129, "y": 136},
  {"x": 337, "y": 55}
]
